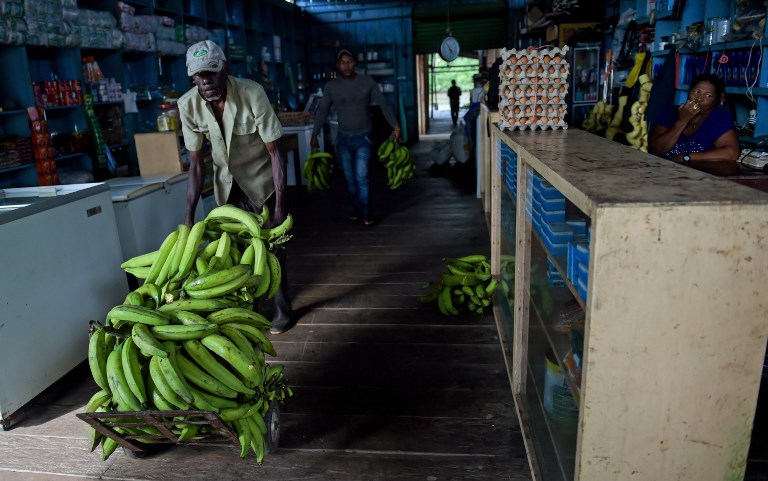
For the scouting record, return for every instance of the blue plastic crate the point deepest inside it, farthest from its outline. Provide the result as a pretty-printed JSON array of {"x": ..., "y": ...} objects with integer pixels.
[
  {"x": 579, "y": 226},
  {"x": 570, "y": 269},
  {"x": 582, "y": 252},
  {"x": 548, "y": 191},
  {"x": 552, "y": 204},
  {"x": 557, "y": 232},
  {"x": 581, "y": 288},
  {"x": 555, "y": 279},
  {"x": 557, "y": 249},
  {"x": 552, "y": 216},
  {"x": 583, "y": 270}
]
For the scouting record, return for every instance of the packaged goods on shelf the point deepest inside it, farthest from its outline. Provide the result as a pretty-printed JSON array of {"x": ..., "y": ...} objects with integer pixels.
[
  {"x": 15, "y": 150},
  {"x": 143, "y": 42},
  {"x": 97, "y": 136},
  {"x": 98, "y": 29},
  {"x": 42, "y": 148},
  {"x": 194, "y": 34},
  {"x": 54, "y": 93},
  {"x": 533, "y": 84},
  {"x": 12, "y": 8},
  {"x": 13, "y": 30},
  {"x": 47, "y": 25},
  {"x": 168, "y": 41}
]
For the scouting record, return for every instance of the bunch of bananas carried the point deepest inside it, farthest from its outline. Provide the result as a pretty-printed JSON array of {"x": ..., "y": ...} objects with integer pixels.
[
  {"x": 188, "y": 338},
  {"x": 466, "y": 281},
  {"x": 317, "y": 170},
  {"x": 398, "y": 161}
]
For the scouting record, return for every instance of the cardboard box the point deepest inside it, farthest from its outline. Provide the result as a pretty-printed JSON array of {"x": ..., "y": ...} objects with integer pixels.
[
  {"x": 158, "y": 153},
  {"x": 553, "y": 32}
]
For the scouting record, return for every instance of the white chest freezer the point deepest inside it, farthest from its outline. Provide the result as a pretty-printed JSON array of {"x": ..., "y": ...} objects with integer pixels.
[
  {"x": 60, "y": 269},
  {"x": 147, "y": 209}
]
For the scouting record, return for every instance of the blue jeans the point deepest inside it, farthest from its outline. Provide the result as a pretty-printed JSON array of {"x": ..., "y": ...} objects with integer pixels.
[{"x": 354, "y": 151}]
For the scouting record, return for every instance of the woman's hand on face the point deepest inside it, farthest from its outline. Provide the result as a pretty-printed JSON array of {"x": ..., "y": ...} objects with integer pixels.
[{"x": 686, "y": 112}]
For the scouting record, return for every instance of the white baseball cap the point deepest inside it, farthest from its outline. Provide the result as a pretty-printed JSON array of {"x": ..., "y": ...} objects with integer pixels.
[{"x": 205, "y": 56}]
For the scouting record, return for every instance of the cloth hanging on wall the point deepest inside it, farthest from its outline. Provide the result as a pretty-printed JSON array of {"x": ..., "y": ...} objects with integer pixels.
[{"x": 663, "y": 89}]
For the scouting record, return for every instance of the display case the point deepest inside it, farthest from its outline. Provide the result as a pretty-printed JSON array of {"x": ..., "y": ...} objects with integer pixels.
[
  {"x": 635, "y": 333},
  {"x": 585, "y": 81}
]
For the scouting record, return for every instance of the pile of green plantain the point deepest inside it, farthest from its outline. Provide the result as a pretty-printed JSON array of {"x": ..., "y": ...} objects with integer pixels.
[
  {"x": 465, "y": 282},
  {"x": 189, "y": 338}
]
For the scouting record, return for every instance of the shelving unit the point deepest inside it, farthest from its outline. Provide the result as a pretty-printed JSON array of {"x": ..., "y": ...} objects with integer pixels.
[
  {"x": 674, "y": 331},
  {"x": 241, "y": 28},
  {"x": 379, "y": 61},
  {"x": 704, "y": 58}
]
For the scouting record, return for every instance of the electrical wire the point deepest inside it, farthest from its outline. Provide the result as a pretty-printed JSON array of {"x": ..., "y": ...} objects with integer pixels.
[
  {"x": 750, "y": 120},
  {"x": 750, "y": 95}
]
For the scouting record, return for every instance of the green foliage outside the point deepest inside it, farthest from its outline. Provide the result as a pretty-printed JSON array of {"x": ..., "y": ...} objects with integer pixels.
[{"x": 462, "y": 69}]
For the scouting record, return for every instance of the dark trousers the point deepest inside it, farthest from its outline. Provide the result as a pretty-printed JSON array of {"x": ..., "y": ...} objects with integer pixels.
[
  {"x": 240, "y": 199},
  {"x": 454, "y": 115}
]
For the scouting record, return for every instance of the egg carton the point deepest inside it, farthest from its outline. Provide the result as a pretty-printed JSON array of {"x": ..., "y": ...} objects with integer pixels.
[
  {"x": 548, "y": 124},
  {"x": 531, "y": 64},
  {"x": 545, "y": 55},
  {"x": 539, "y": 117},
  {"x": 538, "y": 110},
  {"x": 511, "y": 124},
  {"x": 533, "y": 100}
]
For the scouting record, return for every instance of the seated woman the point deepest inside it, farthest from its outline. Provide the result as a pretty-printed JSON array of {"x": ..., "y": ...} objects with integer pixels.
[{"x": 700, "y": 131}]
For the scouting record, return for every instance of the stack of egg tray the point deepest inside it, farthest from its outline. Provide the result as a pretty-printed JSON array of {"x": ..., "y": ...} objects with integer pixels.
[{"x": 533, "y": 84}]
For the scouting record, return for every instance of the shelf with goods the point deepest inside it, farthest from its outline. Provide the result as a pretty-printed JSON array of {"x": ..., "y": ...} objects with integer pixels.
[
  {"x": 704, "y": 33},
  {"x": 17, "y": 166},
  {"x": 141, "y": 44},
  {"x": 645, "y": 235},
  {"x": 379, "y": 61},
  {"x": 275, "y": 50},
  {"x": 56, "y": 79}
]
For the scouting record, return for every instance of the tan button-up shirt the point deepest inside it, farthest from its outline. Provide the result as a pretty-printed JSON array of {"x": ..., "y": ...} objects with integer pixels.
[{"x": 239, "y": 151}]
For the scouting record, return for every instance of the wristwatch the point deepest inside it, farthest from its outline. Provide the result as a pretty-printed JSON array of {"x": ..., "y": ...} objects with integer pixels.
[{"x": 687, "y": 158}]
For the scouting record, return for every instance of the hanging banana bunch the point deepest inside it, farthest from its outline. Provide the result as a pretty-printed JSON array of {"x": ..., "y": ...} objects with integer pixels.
[
  {"x": 398, "y": 161},
  {"x": 638, "y": 136},
  {"x": 317, "y": 170}
]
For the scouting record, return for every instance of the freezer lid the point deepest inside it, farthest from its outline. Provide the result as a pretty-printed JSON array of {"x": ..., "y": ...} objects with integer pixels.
[
  {"x": 169, "y": 179},
  {"x": 20, "y": 202},
  {"x": 128, "y": 192}
]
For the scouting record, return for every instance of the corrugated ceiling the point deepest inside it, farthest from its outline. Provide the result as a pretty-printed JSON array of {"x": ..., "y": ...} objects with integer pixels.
[{"x": 479, "y": 25}]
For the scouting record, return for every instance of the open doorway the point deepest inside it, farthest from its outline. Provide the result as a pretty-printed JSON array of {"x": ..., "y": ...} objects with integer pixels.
[{"x": 434, "y": 76}]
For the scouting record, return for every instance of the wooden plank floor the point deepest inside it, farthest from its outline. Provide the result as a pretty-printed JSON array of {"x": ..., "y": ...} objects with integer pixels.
[{"x": 385, "y": 388}]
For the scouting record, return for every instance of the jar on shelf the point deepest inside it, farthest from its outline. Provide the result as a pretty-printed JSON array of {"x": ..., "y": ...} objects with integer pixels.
[{"x": 169, "y": 117}]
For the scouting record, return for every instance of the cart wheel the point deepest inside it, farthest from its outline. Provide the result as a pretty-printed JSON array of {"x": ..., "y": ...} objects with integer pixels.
[
  {"x": 134, "y": 454},
  {"x": 272, "y": 419}
]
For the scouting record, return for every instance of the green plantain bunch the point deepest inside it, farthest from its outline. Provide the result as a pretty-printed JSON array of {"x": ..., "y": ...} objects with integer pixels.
[
  {"x": 465, "y": 282},
  {"x": 188, "y": 338}
]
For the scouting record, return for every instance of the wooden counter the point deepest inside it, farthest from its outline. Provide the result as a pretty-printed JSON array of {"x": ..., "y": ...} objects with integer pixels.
[{"x": 676, "y": 315}]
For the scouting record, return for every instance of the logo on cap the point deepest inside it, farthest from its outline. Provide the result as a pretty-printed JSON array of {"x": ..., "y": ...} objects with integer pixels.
[{"x": 200, "y": 53}]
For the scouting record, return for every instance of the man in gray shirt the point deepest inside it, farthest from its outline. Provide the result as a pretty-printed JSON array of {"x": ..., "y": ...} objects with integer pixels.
[{"x": 352, "y": 94}]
